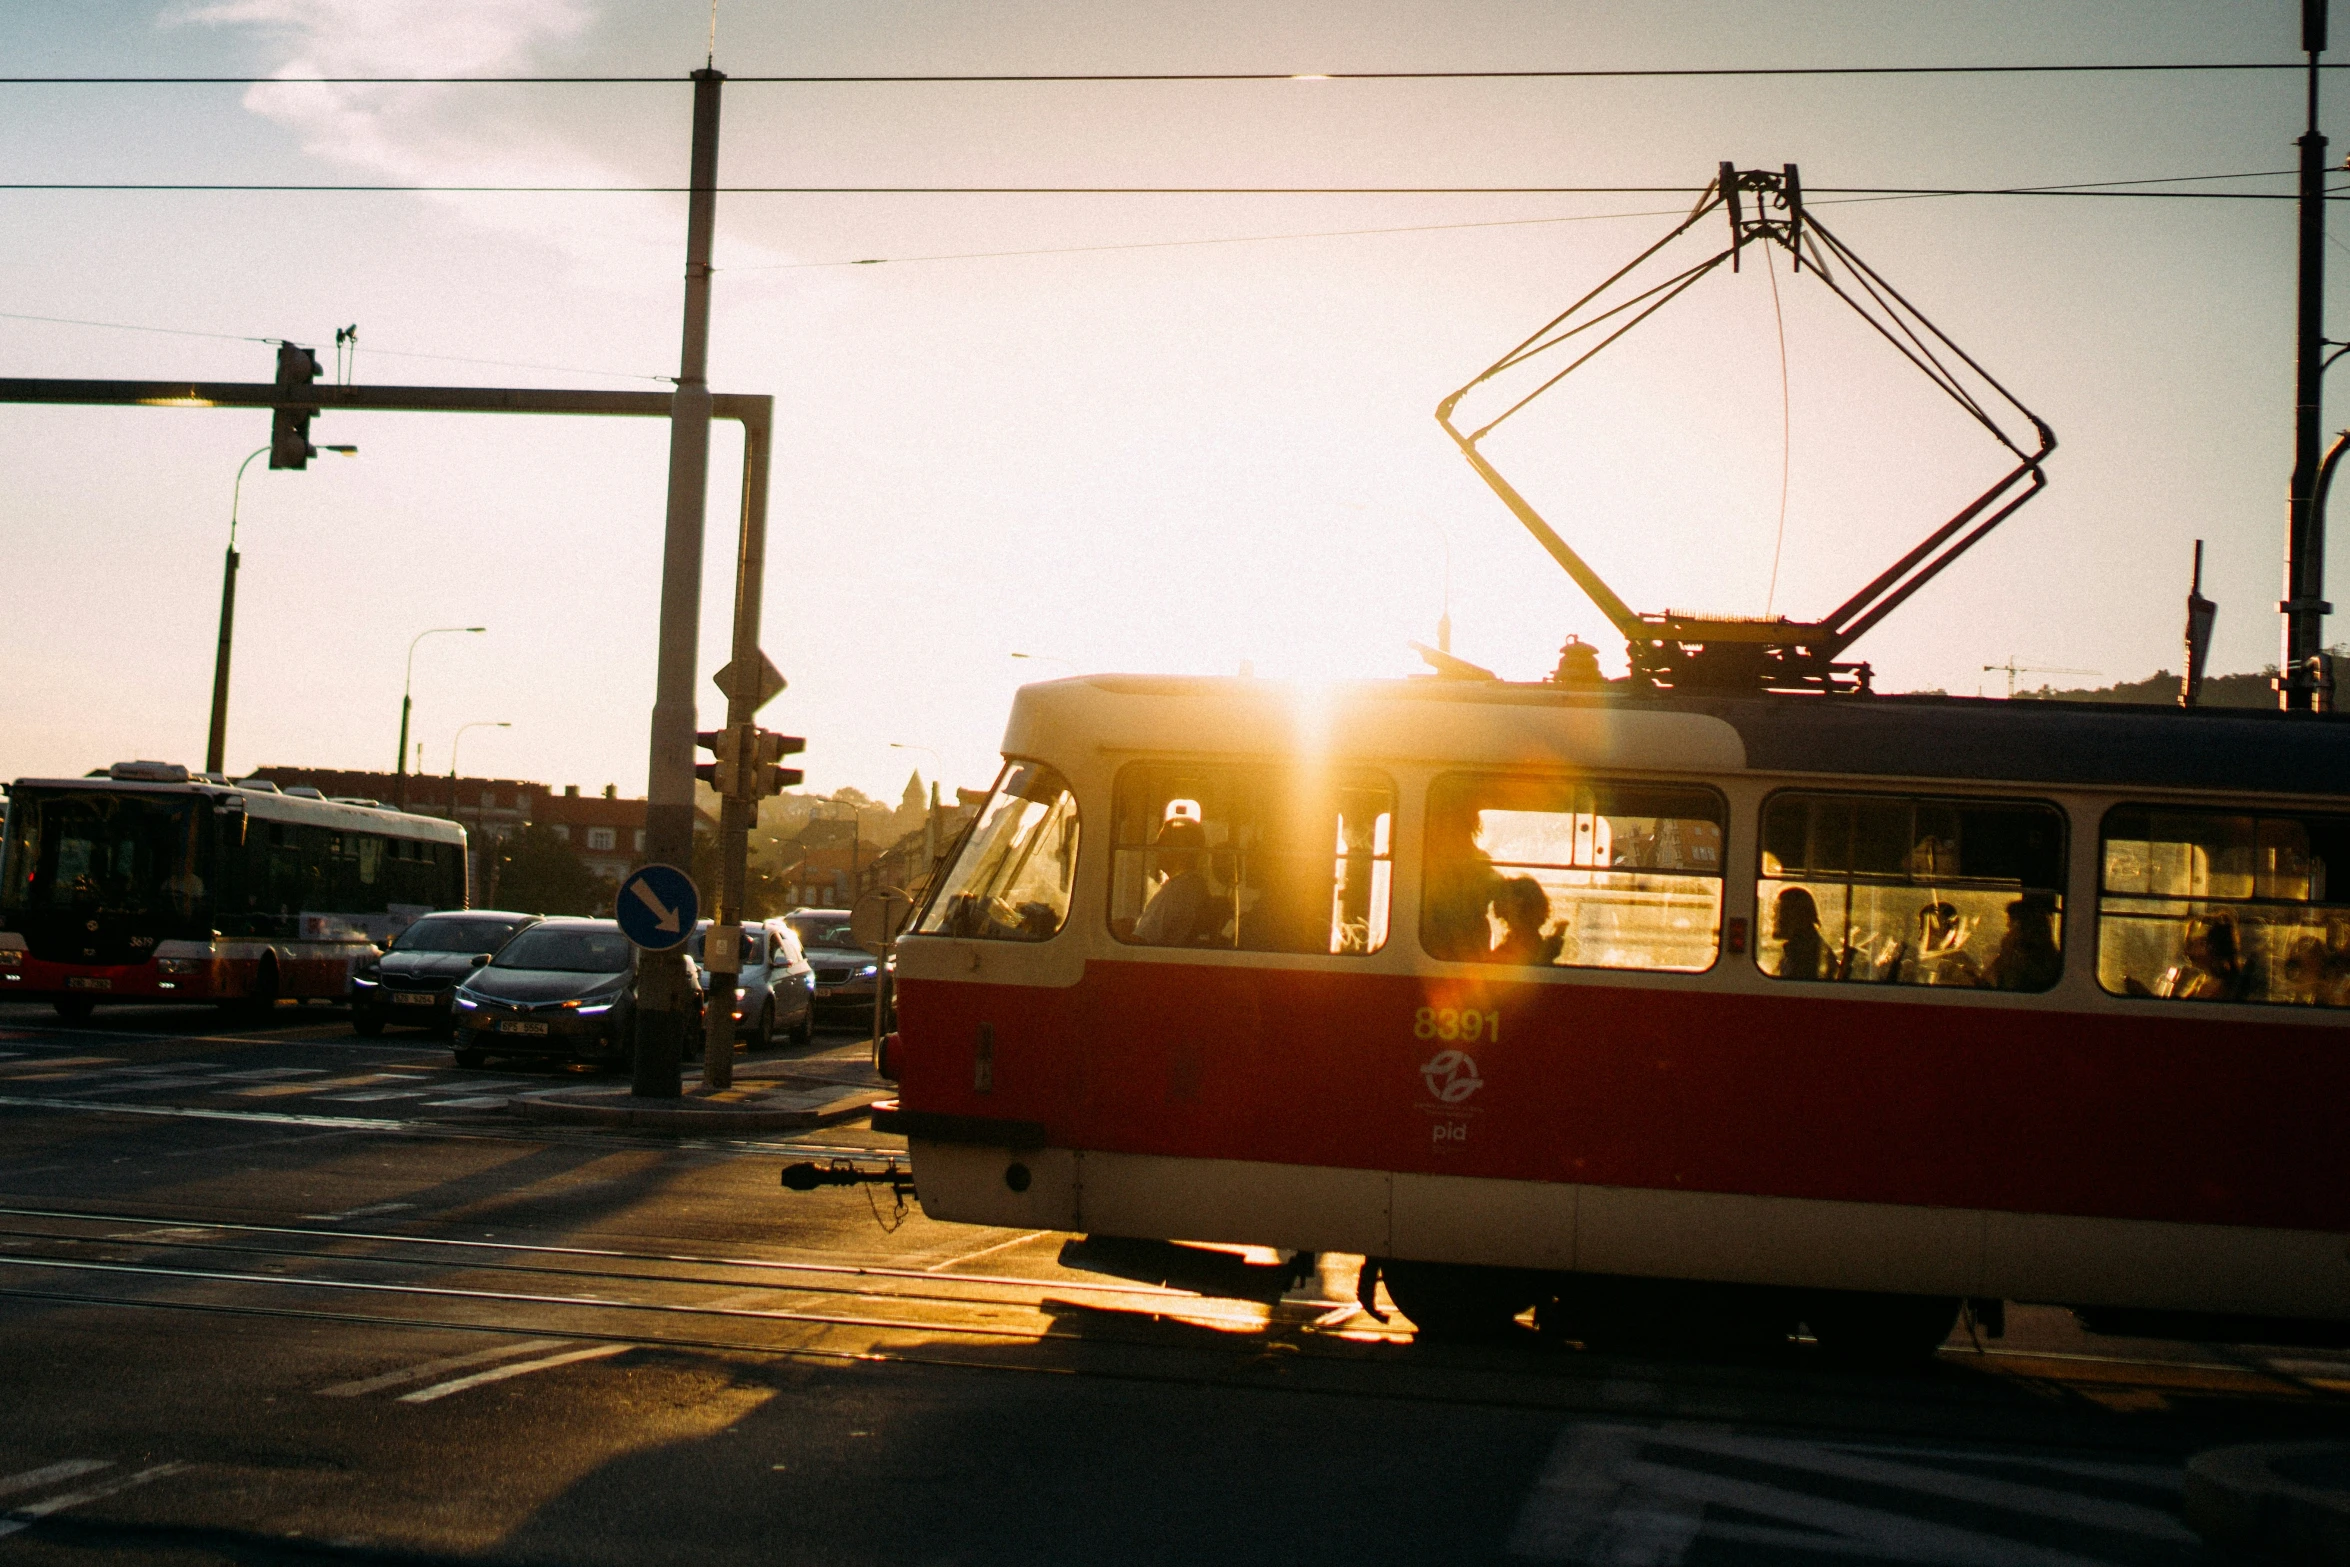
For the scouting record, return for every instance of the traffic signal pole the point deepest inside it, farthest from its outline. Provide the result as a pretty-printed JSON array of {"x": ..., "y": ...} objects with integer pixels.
[
  {"x": 735, "y": 813},
  {"x": 664, "y": 991}
]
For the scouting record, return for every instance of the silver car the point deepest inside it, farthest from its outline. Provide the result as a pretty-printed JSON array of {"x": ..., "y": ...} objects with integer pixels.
[{"x": 775, "y": 989}]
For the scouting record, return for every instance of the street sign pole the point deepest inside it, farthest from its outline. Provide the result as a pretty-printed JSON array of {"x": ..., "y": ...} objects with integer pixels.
[{"x": 669, "y": 775}]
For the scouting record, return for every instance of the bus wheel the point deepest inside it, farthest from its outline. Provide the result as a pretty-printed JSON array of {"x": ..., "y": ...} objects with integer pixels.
[
  {"x": 75, "y": 1009},
  {"x": 1455, "y": 1302},
  {"x": 1880, "y": 1332}
]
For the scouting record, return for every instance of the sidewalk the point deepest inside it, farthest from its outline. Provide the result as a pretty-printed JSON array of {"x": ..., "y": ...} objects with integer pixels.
[
  {"x": 769, "y": 1094},
  {"x": 2285, "y": 1502}
]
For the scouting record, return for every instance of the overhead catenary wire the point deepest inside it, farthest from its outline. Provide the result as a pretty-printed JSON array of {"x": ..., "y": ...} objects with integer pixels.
[
  {"x": 388, "y": 353},
  {"x": 329, "y": 187},
  {"x": 1080, "y": 78}
]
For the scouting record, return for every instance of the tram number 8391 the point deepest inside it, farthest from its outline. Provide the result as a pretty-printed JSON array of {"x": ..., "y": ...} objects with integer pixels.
[{"x": 1455, "y": 1025}]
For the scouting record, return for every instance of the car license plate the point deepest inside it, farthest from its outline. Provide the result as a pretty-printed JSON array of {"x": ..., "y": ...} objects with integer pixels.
[
  {"x": 87, "y": 982},
  {"x": 411, "y": 999},
  {"x": 824, "y": 992},
  {"x": 522, "y": 1028}
]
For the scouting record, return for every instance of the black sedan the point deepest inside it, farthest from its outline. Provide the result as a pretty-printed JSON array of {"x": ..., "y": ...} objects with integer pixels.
[
  {"x": 414, "y": 979},
  {"x": 564, "y": 988},
  {"x": 846, "y": 974}
]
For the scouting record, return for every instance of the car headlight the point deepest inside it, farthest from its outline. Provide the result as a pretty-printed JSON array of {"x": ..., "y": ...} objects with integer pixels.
[
  {"x": 467, "y": 1003},
  {"x": 868, "y": 971}
]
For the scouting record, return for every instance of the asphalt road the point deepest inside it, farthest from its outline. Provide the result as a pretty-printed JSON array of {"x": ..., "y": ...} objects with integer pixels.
[{"x": 278, "y": 1294}]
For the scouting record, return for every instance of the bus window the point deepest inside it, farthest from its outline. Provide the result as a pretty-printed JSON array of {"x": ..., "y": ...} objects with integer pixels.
[
  {"x": 1251, "y": 859},
  {"x": 1011, "y": 880},
  {"x": 2223, "y": 906},
  {"x": 1572, "y": 873},
  {"x": 1897, "y": 890}
]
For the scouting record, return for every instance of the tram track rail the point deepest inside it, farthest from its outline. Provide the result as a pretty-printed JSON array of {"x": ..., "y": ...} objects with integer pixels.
[{"x": 1142, "y": 1333}]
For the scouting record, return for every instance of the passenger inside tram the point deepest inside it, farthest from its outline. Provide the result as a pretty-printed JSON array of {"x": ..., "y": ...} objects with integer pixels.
[
  {"x": 1522, "y": 909},
  {"x": 2028, "y": 957},
  {"x": 1795, "y": 925},
  {"x": 2211, "y": 968}
]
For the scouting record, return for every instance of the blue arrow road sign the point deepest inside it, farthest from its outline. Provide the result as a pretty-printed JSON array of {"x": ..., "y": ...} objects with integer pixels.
[{"x": 657, "y": 907}]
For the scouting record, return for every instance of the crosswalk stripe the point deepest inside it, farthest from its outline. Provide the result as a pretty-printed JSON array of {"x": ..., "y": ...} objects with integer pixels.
[
  {"x": 433, "y": 1368},
  {"x": 34, "y": 1479},
  {"x": 25, "y": 1517},
  {"x": 1982, "y": 1490},
  {"x": 1620, "y": 1494}
]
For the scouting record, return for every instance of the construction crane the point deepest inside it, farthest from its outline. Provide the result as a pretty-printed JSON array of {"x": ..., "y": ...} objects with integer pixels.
[{"x": 2014, "y": 669}]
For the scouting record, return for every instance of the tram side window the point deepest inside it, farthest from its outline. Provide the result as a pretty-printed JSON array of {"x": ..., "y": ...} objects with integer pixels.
[
  {"x": 1897, "y": 890},
  {"x": 2224, "y": 906},
  {"x": 1251, "y": 859},
  {"x": 1574, "y": 873},
  {"x": 1012, "y": 879}
]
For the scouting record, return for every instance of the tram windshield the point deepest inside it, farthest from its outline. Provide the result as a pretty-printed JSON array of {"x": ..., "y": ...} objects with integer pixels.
[
  {"x": 1899, "y": 890},
  {"x": 102, "y": 852},
  {"x": 1012, "y": 880},
  {"x": 1572, "y": 873},
  {"x": 1252, "y": 859}
]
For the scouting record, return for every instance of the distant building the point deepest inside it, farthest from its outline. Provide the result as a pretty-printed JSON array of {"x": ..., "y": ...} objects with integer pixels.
[{"x": 606, "y": 832}]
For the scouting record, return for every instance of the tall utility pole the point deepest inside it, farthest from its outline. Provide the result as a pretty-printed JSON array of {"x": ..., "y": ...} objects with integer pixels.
[
  {"x": 2301, "y": 681},
  {"x": 664, "y": 1002}
]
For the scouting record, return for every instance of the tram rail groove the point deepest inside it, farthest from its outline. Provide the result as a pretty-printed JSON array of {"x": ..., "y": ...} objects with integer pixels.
[
  {"x": 1919, "y": 1415},
  {"x": 606, "y": 1253},
  {"x": 179, "y": 1239}
]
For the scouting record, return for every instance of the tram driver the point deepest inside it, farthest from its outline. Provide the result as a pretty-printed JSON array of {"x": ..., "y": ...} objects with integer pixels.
[{"x": 1187, "y": 907}]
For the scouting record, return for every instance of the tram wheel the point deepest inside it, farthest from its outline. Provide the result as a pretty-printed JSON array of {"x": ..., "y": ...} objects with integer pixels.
[
  {"x": 75, "y": 1009},
  {"x": 1456, "y": 1302},
  {"x": 1880, "y": 1332}
]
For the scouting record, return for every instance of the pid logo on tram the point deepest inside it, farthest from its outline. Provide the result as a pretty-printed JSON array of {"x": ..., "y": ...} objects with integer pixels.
[{"x": 1451, "y": 1076}]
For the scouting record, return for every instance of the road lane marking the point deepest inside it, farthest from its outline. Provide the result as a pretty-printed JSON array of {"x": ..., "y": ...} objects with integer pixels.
[
  {"x": 469, "y": 1102},
  {"x": 425, "y": 1395},
  {"x": 267, "y": 1073},
  {"x": 26, "y": 1517},
  {"x": 145, "y": 1085},
  {"x": 349, "y": 1123},
  {"x": 973, "y": 1256},
  {"x": 34, "y": 1479},
  {"x": 433, "y": 1368}
]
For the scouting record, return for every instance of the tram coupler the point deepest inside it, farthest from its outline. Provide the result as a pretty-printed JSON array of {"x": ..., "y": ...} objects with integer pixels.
[{"x": 807, "y": 1175}]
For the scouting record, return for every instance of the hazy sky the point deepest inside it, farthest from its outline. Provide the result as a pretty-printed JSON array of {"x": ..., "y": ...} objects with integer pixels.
[{"x": 1172, "y": 458}]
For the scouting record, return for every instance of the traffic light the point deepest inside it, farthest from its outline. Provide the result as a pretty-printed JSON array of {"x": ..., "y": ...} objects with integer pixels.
[
  {"x": 289, "y": 428},
  {"x": 745, "y": 757},
  {"x": 766, "y": 750},
  {"x": 724, "y": 774}
]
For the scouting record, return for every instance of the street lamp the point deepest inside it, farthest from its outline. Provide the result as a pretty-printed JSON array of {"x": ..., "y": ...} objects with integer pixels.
[
  {"x": 1049, "y": 658},
  {"x": 216, "y": 744},
  {"x": 479, "y": 723},
  {"x": 407, "y": 682}
]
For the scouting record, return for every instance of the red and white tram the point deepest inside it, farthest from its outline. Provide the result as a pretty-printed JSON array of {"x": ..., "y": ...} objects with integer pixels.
[
  {"x": 146, "y": 883},
  {"x": 1722, "y": 1011}
]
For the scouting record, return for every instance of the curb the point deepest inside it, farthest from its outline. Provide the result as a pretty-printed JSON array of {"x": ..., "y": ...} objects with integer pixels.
[
  {"x": 684, "y": 1115},
  {"x": 2288, "y": 1500}
]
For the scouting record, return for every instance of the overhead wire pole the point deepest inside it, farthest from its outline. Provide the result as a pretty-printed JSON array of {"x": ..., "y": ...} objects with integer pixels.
[
  {"x": 2303, "y": 684},
  {"x": 663, "y": 1000}
]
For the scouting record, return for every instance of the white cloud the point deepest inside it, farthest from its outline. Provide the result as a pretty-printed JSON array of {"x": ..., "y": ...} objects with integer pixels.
[{"x": 428, "y": 134}]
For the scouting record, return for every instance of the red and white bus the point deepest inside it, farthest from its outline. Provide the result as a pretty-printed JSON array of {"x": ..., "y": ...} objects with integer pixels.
[
  {"x": 147, "y": 883},
  {"x": 1709, "y": 1012}
]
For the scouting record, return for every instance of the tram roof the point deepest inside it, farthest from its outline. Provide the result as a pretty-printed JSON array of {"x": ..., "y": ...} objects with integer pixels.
[{"x": 1971, "y": 739}]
